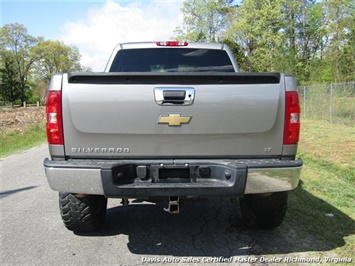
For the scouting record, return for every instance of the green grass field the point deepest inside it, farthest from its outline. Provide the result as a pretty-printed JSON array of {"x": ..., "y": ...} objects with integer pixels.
[
  {"x": 323, "y": 205},
  {"x": 12, "y": 141}
]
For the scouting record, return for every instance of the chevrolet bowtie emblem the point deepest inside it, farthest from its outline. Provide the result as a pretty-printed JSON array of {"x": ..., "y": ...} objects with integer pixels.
[{"x": 174, "y": 119}]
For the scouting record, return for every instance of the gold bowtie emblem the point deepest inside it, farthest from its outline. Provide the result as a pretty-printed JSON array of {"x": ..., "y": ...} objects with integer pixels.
[{"x": 174, "y": 119}]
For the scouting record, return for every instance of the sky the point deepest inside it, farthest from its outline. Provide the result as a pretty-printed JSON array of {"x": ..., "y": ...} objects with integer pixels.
[{"x": 95, "y": 26}]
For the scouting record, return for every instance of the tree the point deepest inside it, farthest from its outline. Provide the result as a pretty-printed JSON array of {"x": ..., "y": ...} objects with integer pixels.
[
  {"x": 27, "y": 63},
  {"x": 204, "y": 20},
  {"x": 257, "y": 26},
  {"x": 9, "y": 83},
  {"x": 281, "y": 35},
  {"x": 19, "y": 45},
  {"x": 301, "y": 50},
  {"x": 312, "y": 39},
  {"x": 339, "y": 53},
  {"x": 347, "y": 60},
  {"x": 237, "y": 52},
  {"x": 56, "y": 57},
  {"x": 207, "y": 21}
]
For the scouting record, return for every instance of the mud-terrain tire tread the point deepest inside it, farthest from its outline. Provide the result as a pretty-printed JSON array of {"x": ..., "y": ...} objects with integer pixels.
[
  {"x": 86, "y": 214},
  {"x": 264, "y": 212}
]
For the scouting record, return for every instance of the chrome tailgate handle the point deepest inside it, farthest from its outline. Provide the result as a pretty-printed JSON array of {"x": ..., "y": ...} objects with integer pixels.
[{"x": 174, "y": 96}]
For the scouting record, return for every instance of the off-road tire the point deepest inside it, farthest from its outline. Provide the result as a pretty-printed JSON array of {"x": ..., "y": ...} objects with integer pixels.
[
  {"x": 82, "y": 214},
  {"x": 264, "y": 211}
]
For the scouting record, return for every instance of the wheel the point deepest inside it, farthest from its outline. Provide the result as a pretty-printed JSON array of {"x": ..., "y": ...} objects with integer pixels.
[
  {"x": 264, "y": 211},
  {"x": 82, "y": 214}
]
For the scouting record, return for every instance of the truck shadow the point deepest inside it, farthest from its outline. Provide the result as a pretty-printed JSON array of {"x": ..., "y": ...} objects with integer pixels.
[
  {"x": 213, "y": 228},
  {"x": 4, "y": 194}
]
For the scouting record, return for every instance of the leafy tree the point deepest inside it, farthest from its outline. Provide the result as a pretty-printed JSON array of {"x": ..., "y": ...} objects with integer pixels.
[
  {"x": 237, "y": 52},
  {"x": 19, "y": 45},
  {"x": 257, "y": 26},
  {"x": 347, "y": 60},
  {"x": 56, "y": 57},
  {"x": 303, "y": 45},
  {"x": 204, "y": 20},
  {"x": 27, "y": 63},
  {"x": 9, "y": 83},
  {"x": 312, "y": 39},
  {"x": 340, "y": 29}
]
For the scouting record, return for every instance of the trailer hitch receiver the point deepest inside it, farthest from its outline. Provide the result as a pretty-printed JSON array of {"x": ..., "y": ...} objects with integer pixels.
[{"x": 173, "y": 206}]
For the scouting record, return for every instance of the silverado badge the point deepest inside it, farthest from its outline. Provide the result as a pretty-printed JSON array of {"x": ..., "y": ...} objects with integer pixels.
[{"x": 174, "y": 119}]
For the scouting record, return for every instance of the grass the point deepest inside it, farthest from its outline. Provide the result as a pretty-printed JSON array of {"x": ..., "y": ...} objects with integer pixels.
[
  {"x": 12, "y": 141},
  {"x": 324, "y": 203},
  {"x": 329, "y": 142}
]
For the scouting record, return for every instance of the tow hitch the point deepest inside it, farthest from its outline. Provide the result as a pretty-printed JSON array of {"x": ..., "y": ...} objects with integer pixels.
[{"x": 173, "y": 206}]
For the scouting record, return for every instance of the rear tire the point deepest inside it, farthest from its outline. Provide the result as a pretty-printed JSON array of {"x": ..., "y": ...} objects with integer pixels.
[
  {"x": 264, "y": 211},
  {"x": 82, "y": 214}
]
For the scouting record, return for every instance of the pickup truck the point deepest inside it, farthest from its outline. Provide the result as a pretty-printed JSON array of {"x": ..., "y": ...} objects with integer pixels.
[{"x": 170, "y": 121}]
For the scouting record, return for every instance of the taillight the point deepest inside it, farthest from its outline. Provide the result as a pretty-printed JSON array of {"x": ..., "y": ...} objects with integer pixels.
[
  {"x": 172, "y": 43},
  {"x": 292, "y": 118},
  {"x": 54, "y": 118}
]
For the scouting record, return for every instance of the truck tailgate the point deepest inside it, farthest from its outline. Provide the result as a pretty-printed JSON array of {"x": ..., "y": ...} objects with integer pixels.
[{"x": 119, "y": 116}]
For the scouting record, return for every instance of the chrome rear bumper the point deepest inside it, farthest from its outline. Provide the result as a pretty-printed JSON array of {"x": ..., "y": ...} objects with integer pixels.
[{"x": 122, "y": 178}]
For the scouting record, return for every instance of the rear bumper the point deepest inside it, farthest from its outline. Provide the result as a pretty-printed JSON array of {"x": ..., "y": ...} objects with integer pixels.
[{"x": 144, "y": 178}]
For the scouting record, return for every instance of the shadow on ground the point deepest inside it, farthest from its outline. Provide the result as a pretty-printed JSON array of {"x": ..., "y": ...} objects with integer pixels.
[
  {"x": 213, "y": 228},
  {"x": 7, "y": 193}
]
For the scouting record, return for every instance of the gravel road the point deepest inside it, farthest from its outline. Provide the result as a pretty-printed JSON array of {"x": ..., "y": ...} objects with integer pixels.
[{"x": 205, "y": 232}]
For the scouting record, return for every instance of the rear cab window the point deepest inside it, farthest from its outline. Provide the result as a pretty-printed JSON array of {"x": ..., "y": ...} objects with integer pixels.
[{"x": 171, "y": 60}]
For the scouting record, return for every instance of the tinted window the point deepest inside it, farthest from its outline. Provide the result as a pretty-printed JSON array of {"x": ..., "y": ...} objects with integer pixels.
[{"x": 171, "y": 60}]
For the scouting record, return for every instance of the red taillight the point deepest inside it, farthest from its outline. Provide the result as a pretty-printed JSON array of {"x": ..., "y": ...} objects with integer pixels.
[
  {"x": 172, "y": 43},
  {"x": 292, "y": 118},
  {"x": 54, "y": 118}
]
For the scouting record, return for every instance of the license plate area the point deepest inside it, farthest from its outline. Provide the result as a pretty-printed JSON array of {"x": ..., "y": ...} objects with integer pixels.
[{"x": 174, "y": 175}]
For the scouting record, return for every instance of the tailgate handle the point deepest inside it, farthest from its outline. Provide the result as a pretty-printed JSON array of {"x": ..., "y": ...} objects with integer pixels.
[{"x": 172, "y": 96}]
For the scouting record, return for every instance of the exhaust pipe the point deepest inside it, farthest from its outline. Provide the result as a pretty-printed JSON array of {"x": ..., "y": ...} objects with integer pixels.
[{"x": 173, "y": 206}]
